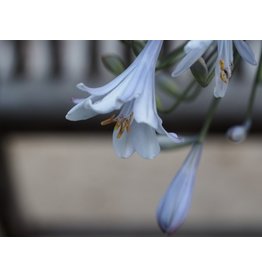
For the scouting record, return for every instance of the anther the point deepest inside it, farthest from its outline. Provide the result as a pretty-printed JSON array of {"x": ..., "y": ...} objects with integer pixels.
[
  {"x": 109, "y": 121},
  {"x": 222, "y": 64},
  {"x": 122, "y": 124},
  {"x": 224, "y": 74}
]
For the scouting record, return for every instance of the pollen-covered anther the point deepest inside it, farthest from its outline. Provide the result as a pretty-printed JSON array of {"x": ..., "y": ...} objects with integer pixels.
[
  {"x": 224, "y": 73},
  {"x": 109, "y": 121},
  {"x": 223, "y": 77},
  {"x": 222, "y": 64}
]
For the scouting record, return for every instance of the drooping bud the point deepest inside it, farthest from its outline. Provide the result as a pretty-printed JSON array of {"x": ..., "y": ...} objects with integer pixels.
[
  {"x": 175, "y": 204},
  {"x": 200, "y": 71},
  {"x": 239, "y": 133}
]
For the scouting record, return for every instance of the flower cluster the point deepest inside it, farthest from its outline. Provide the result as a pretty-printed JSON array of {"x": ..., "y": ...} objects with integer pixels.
[
  {"x": 224, "y": 64},
  {"x": 131, "y": 102}
]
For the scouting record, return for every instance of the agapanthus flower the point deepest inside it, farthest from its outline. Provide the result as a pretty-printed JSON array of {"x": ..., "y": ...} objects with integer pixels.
[
  {"x": 223, "y": 71},
  {"x": 175, "y": 204},
  {"x": 133, "y": 94}
]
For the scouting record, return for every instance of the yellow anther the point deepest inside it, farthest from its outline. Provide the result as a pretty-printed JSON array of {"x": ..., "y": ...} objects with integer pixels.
[
  {"x": 224, "y": 75},
  {"x": 222, "y": 65},
  {"x": 109, "y": 121}
]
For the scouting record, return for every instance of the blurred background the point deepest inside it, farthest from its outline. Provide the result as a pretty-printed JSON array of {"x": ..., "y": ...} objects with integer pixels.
[{"x": 61, "y": 178}]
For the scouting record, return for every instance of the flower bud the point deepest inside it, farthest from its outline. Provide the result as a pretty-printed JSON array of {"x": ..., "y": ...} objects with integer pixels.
[
  {"x": 238, "y": 133},
  {"x": 174, "y": 206}
]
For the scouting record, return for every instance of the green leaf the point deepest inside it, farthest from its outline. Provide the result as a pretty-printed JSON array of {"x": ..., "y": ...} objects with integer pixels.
[{"x": 114, "y": 64}]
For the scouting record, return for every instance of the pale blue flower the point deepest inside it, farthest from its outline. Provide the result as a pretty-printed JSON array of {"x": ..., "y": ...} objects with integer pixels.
[
  {"x": 196, "y": 48},
  {"x": 133, "y": 94},
  {"x": 175, "y": 204}
]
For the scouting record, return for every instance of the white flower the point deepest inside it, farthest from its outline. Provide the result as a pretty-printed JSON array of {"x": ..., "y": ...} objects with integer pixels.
[
  {"x": 238, "y": 133},
  {"x": 176, "y": 202},
  {"x": 196, "y": 48},
  {"x": 133, "y": 93}
]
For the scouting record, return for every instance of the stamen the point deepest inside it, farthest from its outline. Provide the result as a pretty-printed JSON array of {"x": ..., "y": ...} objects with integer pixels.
[
  {"x": 109, "y": 121},
  {"x": 223, "y": 77},
  {"x": 129, "y": 121},
  {"x": 224, "y": 73},
  {"x": 120, "y": 132},
  {"x": 222, "y": 64},
  {"x": 123, "y": 124},
  {"x": 118, "y": 124}
]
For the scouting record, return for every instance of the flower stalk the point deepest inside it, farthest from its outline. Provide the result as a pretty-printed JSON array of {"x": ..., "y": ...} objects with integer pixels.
[{"x": 209, "y": 117}]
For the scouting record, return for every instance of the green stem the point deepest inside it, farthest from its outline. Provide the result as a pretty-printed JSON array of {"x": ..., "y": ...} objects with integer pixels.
[
  {"x": 179, "y": 99},
  {"x": 210, "y": 114},
  {"x": 253, "y": 90},
  {"x": 194, "y": 94}
]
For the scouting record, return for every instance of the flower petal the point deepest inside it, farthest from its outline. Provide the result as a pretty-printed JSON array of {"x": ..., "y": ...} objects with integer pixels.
[
  {"x": 197, "y": 44},
  {"x": 111, "y": 101},
  {"x": 123, "y": 145},
  {"x": 77, "y": 100},
  {"x": 172, "y": 136},
  {"x": 144, "y": 140},
  {"x": 223, "y": 67},
  {"x": 80, "y": 112},
  {"x": 148, "y": 55},
  {"x": 136, "y": 85},
  {"x": 144, "y": 105},
  {"x": 146, "y": 63},
  {"x": 245, "y": 51},
  {"x": 103, "y": 90},
  {"x": 194, "y": 50},
  {"x": 220, "y": 86}
]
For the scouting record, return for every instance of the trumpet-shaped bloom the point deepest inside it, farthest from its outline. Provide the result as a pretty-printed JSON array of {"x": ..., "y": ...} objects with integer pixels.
[
  {"x": 196, "y": 48},
  {"x": 133, "y": 94},
  {"x": 174, "y": 206}
]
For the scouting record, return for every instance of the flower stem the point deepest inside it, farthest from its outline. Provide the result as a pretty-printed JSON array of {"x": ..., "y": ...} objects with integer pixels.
[
  {"x": 181, "y": 98},
  {"x": 210, "y": 114}
]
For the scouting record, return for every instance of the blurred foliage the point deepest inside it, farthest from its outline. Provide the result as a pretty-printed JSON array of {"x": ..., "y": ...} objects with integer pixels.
[{"x": 113, "y": 64}]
